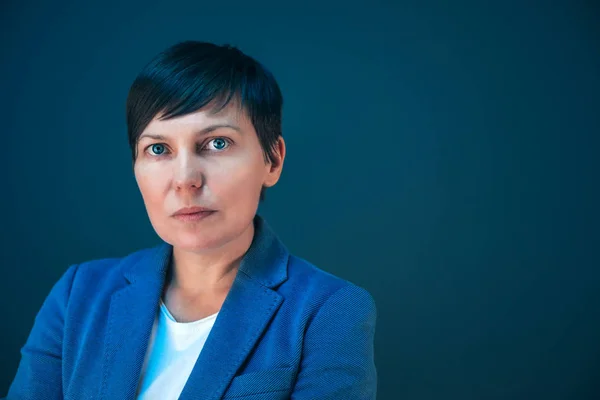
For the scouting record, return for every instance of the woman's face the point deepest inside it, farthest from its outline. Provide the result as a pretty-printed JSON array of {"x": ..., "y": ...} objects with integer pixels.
[{"x": 207, "y": 160}]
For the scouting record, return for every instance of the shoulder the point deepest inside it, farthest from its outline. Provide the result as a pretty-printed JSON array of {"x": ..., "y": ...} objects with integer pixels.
[
  {"x": 102, "y": 266},
  {"x": 317, "y": 287},
  {"x": 95, "y": 274}
]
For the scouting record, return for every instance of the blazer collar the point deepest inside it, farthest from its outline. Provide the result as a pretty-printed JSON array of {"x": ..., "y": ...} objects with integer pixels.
[{"x": 246, "y": 311}]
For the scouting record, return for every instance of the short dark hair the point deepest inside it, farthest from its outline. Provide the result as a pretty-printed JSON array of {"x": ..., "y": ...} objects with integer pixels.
[{"x": 190, "y": 75}]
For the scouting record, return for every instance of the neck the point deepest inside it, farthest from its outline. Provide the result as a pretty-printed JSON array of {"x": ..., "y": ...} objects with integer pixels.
[{"x": 211, "y": 270}]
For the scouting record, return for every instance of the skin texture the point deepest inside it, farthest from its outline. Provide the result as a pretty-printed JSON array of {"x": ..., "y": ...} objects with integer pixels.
[{"x": 199, "y": 162}]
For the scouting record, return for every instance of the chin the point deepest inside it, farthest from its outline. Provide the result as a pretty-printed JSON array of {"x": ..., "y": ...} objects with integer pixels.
[
  {"x": 196, "y": 242},
  {"x": 200, "y": 238}
]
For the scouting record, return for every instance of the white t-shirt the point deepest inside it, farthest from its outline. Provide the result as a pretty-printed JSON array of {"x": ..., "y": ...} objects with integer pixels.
[{"x": 172, "y": 352}]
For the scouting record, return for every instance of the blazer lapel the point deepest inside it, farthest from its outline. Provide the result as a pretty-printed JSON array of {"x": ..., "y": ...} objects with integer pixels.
[
  {"x": 131, "y": 316},
  {"x": 243, "y": 317},
  {"x": 246, "y": 311}
]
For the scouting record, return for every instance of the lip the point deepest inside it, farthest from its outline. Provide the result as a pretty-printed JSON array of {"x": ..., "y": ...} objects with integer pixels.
[
  {"x": 192, "y": 217},
  {"x": 190, "y": 214},
  {"x": 191, "y": 210}
]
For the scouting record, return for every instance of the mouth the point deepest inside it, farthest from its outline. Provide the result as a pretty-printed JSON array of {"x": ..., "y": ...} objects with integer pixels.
[{"x": 191, "y": 216}]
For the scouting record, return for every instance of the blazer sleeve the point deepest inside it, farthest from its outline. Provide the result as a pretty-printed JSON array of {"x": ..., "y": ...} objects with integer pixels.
[
  {"x": 338, "y": 351},
  {"x": 39, "y": 373}
]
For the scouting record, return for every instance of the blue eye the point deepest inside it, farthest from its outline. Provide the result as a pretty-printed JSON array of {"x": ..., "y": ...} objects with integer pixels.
[
  {"x": 219, "y": 143},
  {"x": 157, "y": 149}
]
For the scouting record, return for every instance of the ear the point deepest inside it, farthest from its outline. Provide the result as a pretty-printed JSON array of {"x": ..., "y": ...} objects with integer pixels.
[{"x": 275, "y": 167}]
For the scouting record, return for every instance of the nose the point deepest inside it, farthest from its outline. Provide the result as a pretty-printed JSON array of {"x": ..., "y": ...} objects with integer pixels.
[{"x": 188, "y": 175}]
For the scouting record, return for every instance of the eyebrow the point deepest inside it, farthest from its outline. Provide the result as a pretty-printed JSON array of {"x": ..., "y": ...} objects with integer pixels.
[{"x": 203, "y": 131}]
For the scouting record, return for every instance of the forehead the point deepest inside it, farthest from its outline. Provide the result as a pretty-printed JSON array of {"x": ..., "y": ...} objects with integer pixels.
[{"x": 232, "y": 114}]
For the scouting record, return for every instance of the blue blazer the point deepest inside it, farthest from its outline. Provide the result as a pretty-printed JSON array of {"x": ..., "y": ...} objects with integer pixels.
[{"x": 286, "y": 330}]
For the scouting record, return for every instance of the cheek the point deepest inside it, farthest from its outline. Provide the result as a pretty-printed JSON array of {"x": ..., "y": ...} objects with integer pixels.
[
  {"x": 239, "y": 181},
  {"x": 151, "y": 183}
]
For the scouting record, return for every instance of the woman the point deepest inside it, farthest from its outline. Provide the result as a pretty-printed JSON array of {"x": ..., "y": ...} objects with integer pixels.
[{"x": 220, "y": 309}]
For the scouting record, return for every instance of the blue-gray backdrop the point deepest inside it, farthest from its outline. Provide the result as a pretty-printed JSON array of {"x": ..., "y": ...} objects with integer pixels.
[{"x": 442, "y": 155}]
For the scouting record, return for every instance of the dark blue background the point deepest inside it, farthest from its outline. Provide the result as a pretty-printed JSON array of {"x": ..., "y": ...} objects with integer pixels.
[{"x": 443, "y": 155}]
